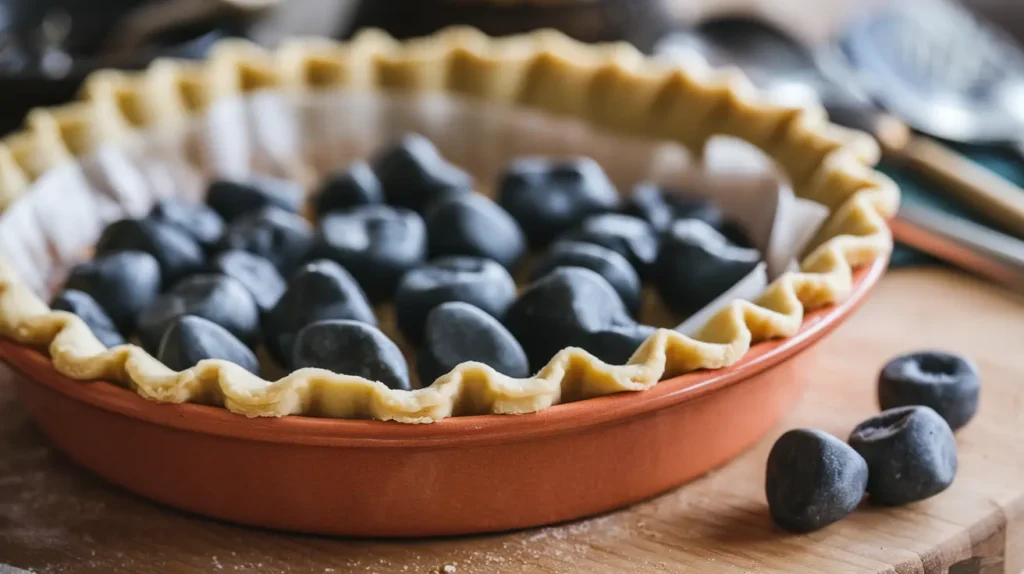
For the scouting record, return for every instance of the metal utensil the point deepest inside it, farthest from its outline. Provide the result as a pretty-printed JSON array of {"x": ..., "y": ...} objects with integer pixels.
[
  {"x": 788, "y": 70},
  {"x": 941, "y": 69},
  {"x": 962, "y": 243}
]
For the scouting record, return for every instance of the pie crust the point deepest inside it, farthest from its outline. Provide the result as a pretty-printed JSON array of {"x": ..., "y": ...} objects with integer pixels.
[{"x": 611, "y": 86}]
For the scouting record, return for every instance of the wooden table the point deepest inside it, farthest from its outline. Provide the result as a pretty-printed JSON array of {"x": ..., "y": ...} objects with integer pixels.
[{"x": 55, "y": 518}]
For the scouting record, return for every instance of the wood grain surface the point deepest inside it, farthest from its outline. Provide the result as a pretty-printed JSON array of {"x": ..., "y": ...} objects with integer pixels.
[{"x": 55, "y": 518}]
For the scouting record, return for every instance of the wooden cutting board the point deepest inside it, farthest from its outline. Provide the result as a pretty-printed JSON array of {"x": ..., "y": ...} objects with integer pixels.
[{"x": 55, "y": 518}]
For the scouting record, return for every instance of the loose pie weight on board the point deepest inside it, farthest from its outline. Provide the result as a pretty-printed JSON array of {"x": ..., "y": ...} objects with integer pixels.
[{"x": 314, "y": 106}]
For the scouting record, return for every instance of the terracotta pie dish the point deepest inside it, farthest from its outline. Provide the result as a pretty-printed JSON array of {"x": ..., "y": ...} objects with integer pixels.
[{"x": 579, "y": 437}]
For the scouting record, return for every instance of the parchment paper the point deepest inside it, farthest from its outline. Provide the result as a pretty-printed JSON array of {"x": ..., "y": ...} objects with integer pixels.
[{"x": 306, "y": 137}]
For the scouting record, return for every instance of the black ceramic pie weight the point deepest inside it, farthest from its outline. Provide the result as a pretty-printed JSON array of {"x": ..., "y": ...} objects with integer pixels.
[{"x": 640, "y": 22}]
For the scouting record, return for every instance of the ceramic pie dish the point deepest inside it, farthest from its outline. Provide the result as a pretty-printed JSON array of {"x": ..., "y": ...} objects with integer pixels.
[{"x": 594, "y": 436}]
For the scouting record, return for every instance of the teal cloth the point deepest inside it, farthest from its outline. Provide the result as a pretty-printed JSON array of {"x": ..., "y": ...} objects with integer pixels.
[{"x": 917, "y": 190}]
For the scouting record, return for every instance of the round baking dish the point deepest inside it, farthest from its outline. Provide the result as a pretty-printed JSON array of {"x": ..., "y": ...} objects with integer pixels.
[
  {"x": 172, "y": 127},
  {"x": 460, "y": 475}
]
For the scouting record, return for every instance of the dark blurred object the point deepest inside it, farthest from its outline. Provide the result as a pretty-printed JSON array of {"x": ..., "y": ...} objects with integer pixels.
[
  {"x": 639, "y": 22},
  {"x": 47, "y": 47},
  {"x": 1007, "y": 14},
  {"x": 774, "y": 61},
  {"x": 788, "y": 71}
]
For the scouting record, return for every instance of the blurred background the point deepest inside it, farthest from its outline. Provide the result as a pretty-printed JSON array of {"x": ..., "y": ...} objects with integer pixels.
[
  {"x": 940, "y": 83},
  {"x": 48, "y": 46}
]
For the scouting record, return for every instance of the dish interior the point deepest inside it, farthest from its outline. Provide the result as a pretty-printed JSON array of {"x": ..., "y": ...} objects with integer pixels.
[{"x": 307, "y": 137}]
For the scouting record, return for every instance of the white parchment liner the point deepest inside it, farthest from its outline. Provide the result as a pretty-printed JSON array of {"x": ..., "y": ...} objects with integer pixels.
[{"x": 305, "y": 137}]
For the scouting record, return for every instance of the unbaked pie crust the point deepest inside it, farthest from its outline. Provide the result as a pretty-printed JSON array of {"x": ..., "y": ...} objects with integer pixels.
[{"x": 610, "y": 86}]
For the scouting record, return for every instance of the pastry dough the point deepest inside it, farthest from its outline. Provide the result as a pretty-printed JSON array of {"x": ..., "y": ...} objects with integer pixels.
[{"x": 611, "y": 86}]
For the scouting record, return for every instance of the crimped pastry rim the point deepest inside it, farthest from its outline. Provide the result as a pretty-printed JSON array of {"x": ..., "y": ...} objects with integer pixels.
[
  {"x": 461, "y": 431},
  {"x": 611, "y": 86}
]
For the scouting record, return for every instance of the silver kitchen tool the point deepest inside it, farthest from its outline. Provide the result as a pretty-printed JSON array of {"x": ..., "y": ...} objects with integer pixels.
[
  {"x": 967, "y": 245},
  {"x": 942, "y": 70}
]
